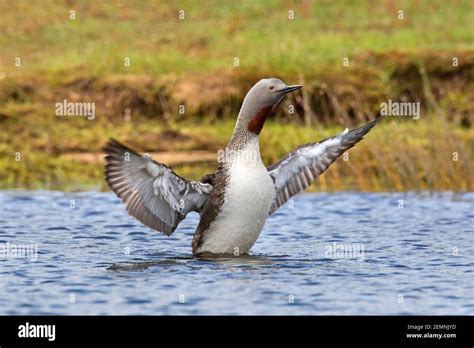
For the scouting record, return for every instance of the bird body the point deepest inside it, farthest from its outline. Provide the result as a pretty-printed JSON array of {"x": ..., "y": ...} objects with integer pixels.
[
  {"x": 234, "y": 201},
  {"x": 248, "y": 198}
]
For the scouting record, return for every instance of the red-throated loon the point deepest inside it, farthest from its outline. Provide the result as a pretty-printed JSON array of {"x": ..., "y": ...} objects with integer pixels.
[{"x": 235, "y": 201}]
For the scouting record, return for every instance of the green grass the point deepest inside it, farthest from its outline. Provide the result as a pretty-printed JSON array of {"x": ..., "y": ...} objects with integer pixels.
[
  {"x": 397, "y": 155},
  {"x": 259, "y": 33}
]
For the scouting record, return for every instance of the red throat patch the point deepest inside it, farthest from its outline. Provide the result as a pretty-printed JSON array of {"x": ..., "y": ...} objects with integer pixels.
[{"x": 256, "y": 123}]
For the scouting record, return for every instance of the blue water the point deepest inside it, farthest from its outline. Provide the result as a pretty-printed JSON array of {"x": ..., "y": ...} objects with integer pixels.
[{"x": 404, "y": 254}]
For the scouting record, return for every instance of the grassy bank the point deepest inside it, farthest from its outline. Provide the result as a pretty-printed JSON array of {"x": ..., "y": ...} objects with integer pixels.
[
  {"x": 399, "y": 154},
  {"x": 140, "y": 64}
]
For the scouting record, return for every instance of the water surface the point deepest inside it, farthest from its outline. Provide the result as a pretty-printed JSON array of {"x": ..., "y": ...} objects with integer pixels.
[{"x": 401, "y": 254}]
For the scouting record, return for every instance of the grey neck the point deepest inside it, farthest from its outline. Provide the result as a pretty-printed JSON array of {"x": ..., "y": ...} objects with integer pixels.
[
  {"x": 242, "y": 135},
  {"x": 240, "y": 138}
]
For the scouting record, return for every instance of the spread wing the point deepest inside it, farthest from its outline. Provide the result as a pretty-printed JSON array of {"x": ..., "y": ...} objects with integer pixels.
[
  {"x": 153, "y": 193},
  {"x": 297, "y": 170}
]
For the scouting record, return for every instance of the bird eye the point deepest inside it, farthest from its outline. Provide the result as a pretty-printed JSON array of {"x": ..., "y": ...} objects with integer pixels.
[{"x": 271, "y": 87}]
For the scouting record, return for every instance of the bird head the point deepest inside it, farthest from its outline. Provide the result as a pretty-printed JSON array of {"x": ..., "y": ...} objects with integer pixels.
[{"x": 260, "y": 101}]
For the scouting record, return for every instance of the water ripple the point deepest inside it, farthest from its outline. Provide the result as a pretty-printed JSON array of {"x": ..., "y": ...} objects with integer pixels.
[{"x": 95, "y": 259}]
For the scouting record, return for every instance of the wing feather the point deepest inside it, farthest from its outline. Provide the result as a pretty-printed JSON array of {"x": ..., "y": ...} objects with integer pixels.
[
  {"x": 152, "y": 192},
  {"x": 297, "y": 170}
]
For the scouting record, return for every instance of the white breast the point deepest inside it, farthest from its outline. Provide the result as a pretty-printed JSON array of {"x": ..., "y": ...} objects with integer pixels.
[{"x": 247, "y": 201}]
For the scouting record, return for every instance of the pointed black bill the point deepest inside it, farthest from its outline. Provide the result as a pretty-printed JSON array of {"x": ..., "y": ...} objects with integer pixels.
[{"x": 289, "y": 89}]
